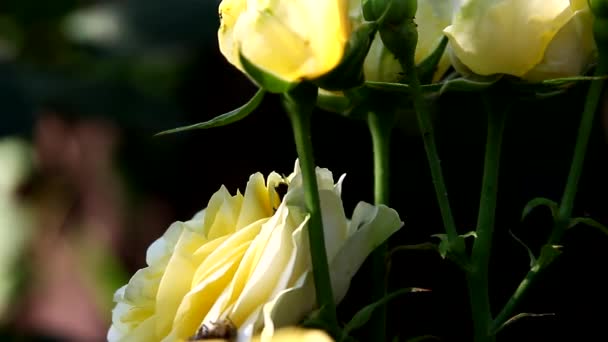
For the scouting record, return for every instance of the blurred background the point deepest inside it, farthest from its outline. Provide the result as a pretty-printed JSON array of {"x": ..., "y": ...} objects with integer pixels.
[{"x": 85, "y": 186}]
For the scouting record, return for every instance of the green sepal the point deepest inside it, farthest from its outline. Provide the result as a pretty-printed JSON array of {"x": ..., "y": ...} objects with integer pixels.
[
  {"x": 455, "y": 250},
  {"x": 263, "y": 79},
  {"x": 224, "y": 119},
  {"x": 457, "y": 84},
  {"x": 301, "y": 99},
  {"x": 548, "y": 254},
  {"x": 548, "y": 88},
  {"x": 349, "y": 72},
  {"x": 471, "y": 83},
  {"x": 363, "y": 316},
  {"x": 391, "y": 12},
  {"x": 588, "y": 221},
  {"x": 517, "y": 318},
  {"x": 400, "y": 40},
  {"x": 540, "y": 201},
  {"x": 426, "y": 69},
  {"x": 530, "y": 253}
]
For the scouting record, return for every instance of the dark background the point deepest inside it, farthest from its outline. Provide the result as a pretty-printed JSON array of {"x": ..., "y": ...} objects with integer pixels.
[{"x": 165, "y": 70}]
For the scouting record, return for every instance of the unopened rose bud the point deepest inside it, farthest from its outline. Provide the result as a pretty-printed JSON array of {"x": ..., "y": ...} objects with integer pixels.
[{"x": 533, "y": 40}]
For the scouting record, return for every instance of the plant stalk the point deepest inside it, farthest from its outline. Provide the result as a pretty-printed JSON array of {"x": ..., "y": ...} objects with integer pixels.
[
  {"x": 380, "y": 128},
  {"x": 478, "y": 275},
  {"x": 567, "y": 202},
  {"x": 299, "y": 104}
]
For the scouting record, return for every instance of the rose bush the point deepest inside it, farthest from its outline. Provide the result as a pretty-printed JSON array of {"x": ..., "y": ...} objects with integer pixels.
[{"x": 246, "y": 259}]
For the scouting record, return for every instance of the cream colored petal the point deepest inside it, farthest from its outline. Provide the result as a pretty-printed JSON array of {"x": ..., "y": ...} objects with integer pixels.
[
  {"x": 299, "y": 262},
  {"x": 229, "y": 12},
  {"x": 375, "y": 224},
  {"x": 289, "y": 307},
  {"x": 325, "y": 178},
  {"x": 144, "y": 332},
  {"x": 143, "y": 286},
  {"x": 217, "y": 201},
  {"x": 226, "y": 216},
  {"x": 271, "y": 273},
  {"x": 570, "y": 52},
  {"x": 335, "y": 225},
  {"x": 161, "y": 249},
  {"x": 230, "y": 294},
  {"x": 432, "y": 17},
  {"x": 510, "y": 37}
]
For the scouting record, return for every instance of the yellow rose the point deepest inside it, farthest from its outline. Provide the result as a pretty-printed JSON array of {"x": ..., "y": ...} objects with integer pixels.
[
  {"x": 245, "y": 259},
  {"x": 432, "y": 17},
  {"x": 531, "y": 39},
  {"x": 292, "y": 40}
]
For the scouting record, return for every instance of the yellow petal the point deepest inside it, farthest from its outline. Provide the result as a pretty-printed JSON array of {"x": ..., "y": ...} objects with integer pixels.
[
  {"x": 256, "y": 202},
  {"x": 197, "y": 302},
  {"x": 570, "y": 52},
  {"x": 177, "y": 279}
]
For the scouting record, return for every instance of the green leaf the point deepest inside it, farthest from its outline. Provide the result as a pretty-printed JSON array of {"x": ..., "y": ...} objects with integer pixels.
[
  {"x": 530, "y": 254},
  {"x": 265, "y": 80},
  {"x": 426, "y": 69},
  {"x": 363, "y": 315},
  {"x": 444, "y": 245},
  {"x": 589, "y": 222},
  {"x": 349, "y": 72},
  {"x": 224, "y": 119},
  {"x": 540, "y": 201}
]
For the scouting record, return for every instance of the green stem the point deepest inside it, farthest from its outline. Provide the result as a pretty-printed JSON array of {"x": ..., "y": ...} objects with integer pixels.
[
  {"x": 567, "y": 202},
  {"x": 299, "y": 104},
  {"x": 430, "y": 146},
  {"x": 380, "y": 128},
  {"x": 478, "y": 274}
]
